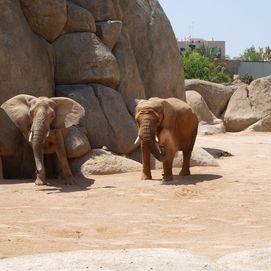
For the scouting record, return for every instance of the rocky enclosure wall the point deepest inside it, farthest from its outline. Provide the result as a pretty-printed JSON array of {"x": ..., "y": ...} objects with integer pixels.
[{"x": 102, "y": 53}]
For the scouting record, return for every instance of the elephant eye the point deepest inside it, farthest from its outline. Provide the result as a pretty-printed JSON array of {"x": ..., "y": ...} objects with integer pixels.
[
  {"x": 52, "y": 115},
  {"x": 31, "y": 113}
]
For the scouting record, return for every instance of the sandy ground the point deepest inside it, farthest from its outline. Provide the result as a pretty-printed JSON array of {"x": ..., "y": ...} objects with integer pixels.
[{"x": 214, "y": 212}]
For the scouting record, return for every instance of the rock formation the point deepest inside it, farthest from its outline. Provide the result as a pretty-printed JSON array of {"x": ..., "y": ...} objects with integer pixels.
[
  {"x": 102, "y": 53},
  {"x": 208, "y": 122},
  {"x": 240, "y": 107},
  {"x": 215, "y": 95}
]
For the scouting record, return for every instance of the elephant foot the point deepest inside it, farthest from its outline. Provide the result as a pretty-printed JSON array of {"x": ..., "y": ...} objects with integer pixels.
[
  {"x": 40, "y": 179},
  {"x": 146, "y": 176},
  {"x": 70, "y": 181},
  {"x": 185, "y": 172},
  {"x": 167, "y": 178}
]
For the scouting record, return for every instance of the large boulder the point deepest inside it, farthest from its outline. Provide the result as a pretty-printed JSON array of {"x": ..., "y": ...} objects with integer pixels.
[
  {"x": 215, "y": 95},
  {"x": 155, "y": 48},
  {"x": 208, "y": 122},
  {"x": 107, "y": 119},
  {"x": 26, "y": 60},
  {"x": 109, "y": 32},
  {"x": 131, "y": 85},
  {"x": 102, "y": 162},
  {"x": 101, "y": 10},
  {"x": 239, "y": 113},
  {"x": 82, "y": 58},
  {"x": 199, "y": 157},
  {"x": 260, "y": 99},
  {"x": 76, "y": 142},
  {"x": 260, "y": 96},
  {"x": 46, "y": 18},
  {"x": 86, "y": 22}
]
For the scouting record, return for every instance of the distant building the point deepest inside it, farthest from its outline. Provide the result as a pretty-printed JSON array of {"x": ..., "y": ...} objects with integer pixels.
[{"x": 193, "y": 43}]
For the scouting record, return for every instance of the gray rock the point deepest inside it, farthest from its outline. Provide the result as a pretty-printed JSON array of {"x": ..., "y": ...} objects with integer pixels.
[
  {"x": 101, "y": 10},
  {"x": 26, "y": 59},
  {"x": 239, "y": 113},
  {"x": 215, "y": 95},
  {"x": 107, "y": 120},
  {"x": 208, "y": 122},
  {"x": 17, "y": 156},
  {"x": 260, "y": 96},
  {"x": 76, "y": 142},
  {"x": 120, "y": 121},
  {"x": 131, "y": 85},
  {"x": 46, "y": 18},
  {"x": 109, "y": 32},
  {"x": 103, "y": 162},
  {"x": 254, "y": 260},
  {"x": 82, "y": 58},
  {"x": 260, "y": 99},
  {"x": 263, "y": 125},
  {"x": 155, "y": 48},
  {"x": 118, "y": 10},
  {"x": 73, "y": 24},
  {"x": 158, "y": 259},
  {"x": 199, "y": 157},
  {"x": 109, "y": 260}
]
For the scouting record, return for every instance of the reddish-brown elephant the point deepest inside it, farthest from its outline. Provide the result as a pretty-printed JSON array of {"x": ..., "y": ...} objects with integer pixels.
[{"x": 173, "y": 124}]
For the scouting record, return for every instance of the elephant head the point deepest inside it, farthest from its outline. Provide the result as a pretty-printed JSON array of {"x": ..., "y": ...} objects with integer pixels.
[
  {"x": 152, "y": 116},
  {"x": 35, "y": 117}
]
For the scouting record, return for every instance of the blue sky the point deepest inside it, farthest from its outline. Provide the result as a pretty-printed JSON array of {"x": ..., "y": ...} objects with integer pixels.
[{"x": 241, "y": 23}]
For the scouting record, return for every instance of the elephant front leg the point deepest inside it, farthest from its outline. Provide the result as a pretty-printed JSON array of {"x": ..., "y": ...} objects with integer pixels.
[
  {"x": 146, "y": 163},
  {"x": 62, "y": 158},
  {"x": 167, "y": 170}
]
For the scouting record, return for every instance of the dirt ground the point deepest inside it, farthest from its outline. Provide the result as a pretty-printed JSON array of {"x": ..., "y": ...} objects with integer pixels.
[{"x": 217, "y": 210}]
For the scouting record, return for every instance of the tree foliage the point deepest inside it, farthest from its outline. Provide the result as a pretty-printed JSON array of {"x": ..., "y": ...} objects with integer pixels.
[
  {"x": 197, "y": 66},
  {"x": 251, "y": 54},
  {"x": 210, "y": 52}
]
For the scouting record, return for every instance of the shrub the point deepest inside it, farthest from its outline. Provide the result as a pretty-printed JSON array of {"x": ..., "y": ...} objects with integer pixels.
[
  {"x": 197, "y": 66},
  {"x": 246, "y": 78}
]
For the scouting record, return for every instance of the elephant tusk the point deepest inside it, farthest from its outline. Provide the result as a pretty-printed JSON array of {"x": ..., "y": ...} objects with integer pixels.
[
  {"x": 30, "y": 136},
  {"x": 137, "y": 140},
  {"x": 48, "y": 133},
  {"x": 156, "y": 139}
]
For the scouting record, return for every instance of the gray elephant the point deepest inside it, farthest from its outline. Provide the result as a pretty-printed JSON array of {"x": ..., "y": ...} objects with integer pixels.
[
  {"x": 42, "y": 122},
  {"x": 172, "y": 123}
]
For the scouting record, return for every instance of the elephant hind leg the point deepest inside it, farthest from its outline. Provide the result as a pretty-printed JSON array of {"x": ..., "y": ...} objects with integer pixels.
[
  {"x": 187, "y": 155},
  {"x": 186, "y": 163}
]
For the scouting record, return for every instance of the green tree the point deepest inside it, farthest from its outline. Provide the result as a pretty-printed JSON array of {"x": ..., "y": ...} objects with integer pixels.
[
  {"x": 251, "y": 54},
  {"x": 197, "y": 66},
  {"x": 267, "y": 54},
  {"x": 209, "y": 52}
]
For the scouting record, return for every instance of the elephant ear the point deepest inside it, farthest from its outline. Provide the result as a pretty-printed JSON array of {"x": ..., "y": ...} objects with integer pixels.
[
  {"x": 68, "y": 112},
  {"x": 169, "y": 119},
  {"x": 17, "y": 108}
]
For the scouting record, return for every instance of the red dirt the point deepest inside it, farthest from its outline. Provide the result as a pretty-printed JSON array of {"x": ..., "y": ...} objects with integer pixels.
[{"x": 213, "y": 212}]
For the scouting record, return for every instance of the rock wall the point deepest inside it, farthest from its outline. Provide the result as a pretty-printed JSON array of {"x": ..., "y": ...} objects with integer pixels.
[
  {"x": 102, "y": 53},
  {"x": 239, "y": 107}
]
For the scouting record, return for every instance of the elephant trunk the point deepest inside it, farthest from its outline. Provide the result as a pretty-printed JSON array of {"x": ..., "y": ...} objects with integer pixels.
[
  {"x": 37, "y": 145},
  {"x": 37, "y": 135},
  {"x": 147, "y": 133}
]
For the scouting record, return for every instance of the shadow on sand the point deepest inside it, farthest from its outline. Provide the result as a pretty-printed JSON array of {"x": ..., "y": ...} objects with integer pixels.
[
  {"x": 192, "y": 179},
  {"x": 55, "y": 185}
]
